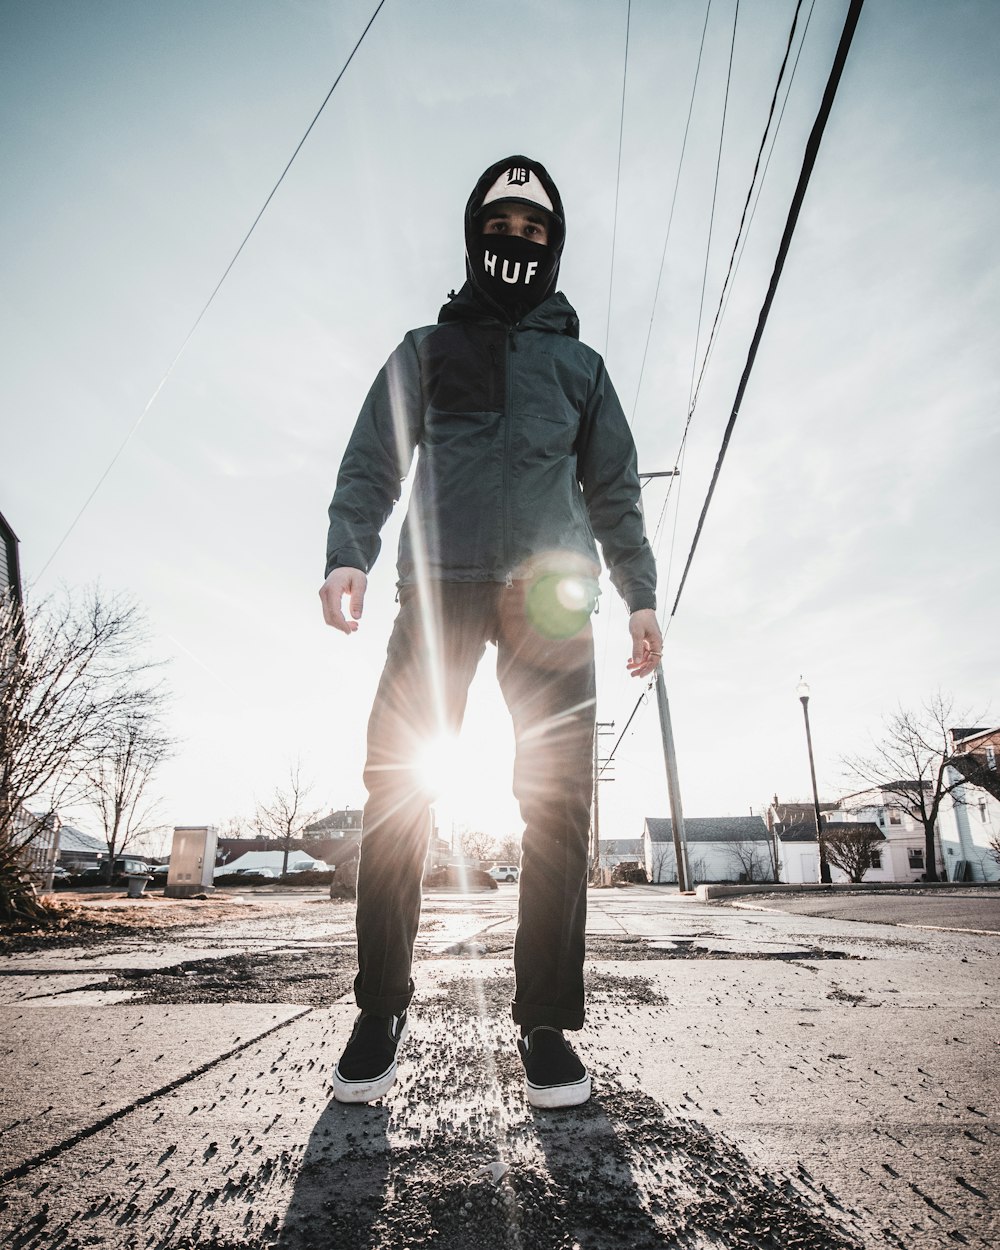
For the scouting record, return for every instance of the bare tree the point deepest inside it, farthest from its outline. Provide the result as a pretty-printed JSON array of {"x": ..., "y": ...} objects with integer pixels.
[
  {"x": 509, "y": 850},
  {"x": 117, "y": 784},
  {"x": 478, "y": 846},
  {"x": 751, "y": 860},
  {"x": 664, "y": 862},
  {"x": 285, "y": 816},
  {"x": 909, "y": 763},
  {"x": 71, "y": 673},
  {"x": 852, "y": 848}
]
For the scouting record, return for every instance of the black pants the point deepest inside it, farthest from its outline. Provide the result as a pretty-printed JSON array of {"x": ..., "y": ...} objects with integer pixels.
[{"x": 437, "y": 641}]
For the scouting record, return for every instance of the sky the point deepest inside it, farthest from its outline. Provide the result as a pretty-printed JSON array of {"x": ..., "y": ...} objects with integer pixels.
[{"x": 852, "y": 537}]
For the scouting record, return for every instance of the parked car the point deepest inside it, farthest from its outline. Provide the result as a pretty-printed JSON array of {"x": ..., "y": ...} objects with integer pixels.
[
  {"x": 504, "y": 872},
  {"x": 255, "y": 872},
  {"x": 94, "y": 874},
  {"x": 459, "y": 877}
]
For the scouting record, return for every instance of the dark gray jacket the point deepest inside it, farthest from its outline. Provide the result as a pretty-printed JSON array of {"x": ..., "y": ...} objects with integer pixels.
[{"x": 525, "y": 455}]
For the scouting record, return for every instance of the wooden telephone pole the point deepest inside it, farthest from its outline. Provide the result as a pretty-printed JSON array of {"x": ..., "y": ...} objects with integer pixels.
[{"x": 601, "y": 727}]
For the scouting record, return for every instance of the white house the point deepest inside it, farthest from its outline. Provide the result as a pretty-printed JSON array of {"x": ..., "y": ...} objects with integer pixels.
[
  {"x": 719, "y": 848},
  {"x": 798, "y": 851},
  {"x": 969, "y": 823},
  {"x": 902, "y": 853}
]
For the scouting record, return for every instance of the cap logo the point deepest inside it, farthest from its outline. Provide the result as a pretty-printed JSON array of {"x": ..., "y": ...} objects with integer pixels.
[{"x": 519, "y": 183}]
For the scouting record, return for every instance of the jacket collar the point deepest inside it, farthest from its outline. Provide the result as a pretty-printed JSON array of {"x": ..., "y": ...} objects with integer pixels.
[{"x": 555, "y": 314}]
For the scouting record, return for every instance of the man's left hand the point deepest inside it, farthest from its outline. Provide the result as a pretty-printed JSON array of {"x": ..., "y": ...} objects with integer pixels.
[{"x": 647, "y": 642}]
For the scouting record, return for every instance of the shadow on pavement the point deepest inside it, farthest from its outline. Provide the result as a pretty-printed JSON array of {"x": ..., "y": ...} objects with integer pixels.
[{"x": 615, "y": 1174}]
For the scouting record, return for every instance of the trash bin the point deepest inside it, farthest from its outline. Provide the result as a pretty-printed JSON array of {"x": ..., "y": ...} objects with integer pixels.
[{"x": 137, "y": 882}]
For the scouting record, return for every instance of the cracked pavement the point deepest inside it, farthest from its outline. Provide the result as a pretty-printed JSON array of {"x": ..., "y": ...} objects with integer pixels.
[{"x": 763, "y": 1078}]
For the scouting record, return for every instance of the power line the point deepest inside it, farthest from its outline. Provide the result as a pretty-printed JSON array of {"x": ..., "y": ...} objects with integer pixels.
[
  {"x": 715, "y": 193},
  {"x": 809, "y": 161},
  {"x": 746, "y": 205},
  {"x": 809, "y": 157},
  {"x": 618, "y": 179},
  {"x": 708, "y": 250},
  {"x": 208, "y": 303},
  {"x": 763, "y": 177},
  {"x": 670, "y": 217},
  {"x": 726, "y": 291}
]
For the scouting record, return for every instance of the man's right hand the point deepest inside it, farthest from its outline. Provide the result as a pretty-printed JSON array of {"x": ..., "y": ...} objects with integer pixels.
[{"x": 341, "y": 582}]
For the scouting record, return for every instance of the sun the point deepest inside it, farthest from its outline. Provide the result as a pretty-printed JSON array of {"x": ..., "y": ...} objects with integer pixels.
[{"x": 471, "y": 784}]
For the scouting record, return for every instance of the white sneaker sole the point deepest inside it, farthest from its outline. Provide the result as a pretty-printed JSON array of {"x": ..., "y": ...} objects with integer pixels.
[
  {"x": 367, "y": 1091},
  {"x": 558, "y": 1095}
]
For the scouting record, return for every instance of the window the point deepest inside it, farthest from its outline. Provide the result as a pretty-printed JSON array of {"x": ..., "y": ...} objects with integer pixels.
[
  {"x": 991, "y": 757},
  {"x": 874, "y": 859},
  {"x": 916, "y": 856},
  {"x": 895, "y": 816},
  {"x": 982, "y": 809}
]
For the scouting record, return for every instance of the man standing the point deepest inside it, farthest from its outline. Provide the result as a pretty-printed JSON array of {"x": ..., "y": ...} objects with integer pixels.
[{"x": 525, "y": 457}]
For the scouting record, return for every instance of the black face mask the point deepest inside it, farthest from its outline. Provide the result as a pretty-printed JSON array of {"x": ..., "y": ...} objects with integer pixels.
[{"x": 514, "y": 272}]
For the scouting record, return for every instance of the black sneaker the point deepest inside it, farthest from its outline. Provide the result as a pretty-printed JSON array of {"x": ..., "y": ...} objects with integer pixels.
[
  {"x": 553, "y": 1073},
  {"x": 367, "y": 1068}
]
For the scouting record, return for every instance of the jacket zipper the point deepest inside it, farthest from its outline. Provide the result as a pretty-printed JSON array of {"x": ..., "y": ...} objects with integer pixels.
[{"x": 508, "y": 435}]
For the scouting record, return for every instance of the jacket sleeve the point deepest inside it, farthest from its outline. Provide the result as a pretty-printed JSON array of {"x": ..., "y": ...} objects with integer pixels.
[
  {"x": 608, "y": 473},
  {"x": 377, "y": 459}
]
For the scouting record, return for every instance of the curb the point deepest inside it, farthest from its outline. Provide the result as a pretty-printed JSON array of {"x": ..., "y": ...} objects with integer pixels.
[{"x": 705, "y": 893}]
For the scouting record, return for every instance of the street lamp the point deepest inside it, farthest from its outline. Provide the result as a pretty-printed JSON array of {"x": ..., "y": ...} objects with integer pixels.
[{"x": 802, "y": 690}]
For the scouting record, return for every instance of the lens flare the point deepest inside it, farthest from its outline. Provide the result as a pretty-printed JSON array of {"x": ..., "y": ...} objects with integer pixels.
[{"x": 559, "y": 605}]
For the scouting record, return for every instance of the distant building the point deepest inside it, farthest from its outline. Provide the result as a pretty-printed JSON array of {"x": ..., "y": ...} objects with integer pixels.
[
  {"x": 10, "y": 566},
  {"x": 78, "y": 849},
  {"x": 719, "y": 848},
  {"x": 969, "y": 822},
  {"x": 345, "y": 822},
  {"x": 897, "y": 854},
  {"x": 620, "y": 851}
]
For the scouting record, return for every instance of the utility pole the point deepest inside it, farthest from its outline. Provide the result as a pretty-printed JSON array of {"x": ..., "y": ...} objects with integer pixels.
[
  {"x": 673, "y": 783},
  {"x": 670, "y": 755},
  {"x": 600, "y": 727}
]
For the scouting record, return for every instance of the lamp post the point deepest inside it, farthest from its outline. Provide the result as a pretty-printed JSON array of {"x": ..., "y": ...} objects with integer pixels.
[{"x": 802, "y": 690}]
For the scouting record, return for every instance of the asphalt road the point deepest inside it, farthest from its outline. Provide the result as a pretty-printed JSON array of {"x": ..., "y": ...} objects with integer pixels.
[{"x": 969, "y": 910}]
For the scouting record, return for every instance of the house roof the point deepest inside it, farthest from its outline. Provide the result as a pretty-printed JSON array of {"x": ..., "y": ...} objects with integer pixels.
[
  {"x": 800, "y": 832},
  {"x": 623, "y": 846},
  {"x": 710, "y": 829},
  {"x": 807, "y": 833},
  {"x": 73, "y": 839},
  {"x": 786, "y": 816},
  {"x": 903, "y": 786}
]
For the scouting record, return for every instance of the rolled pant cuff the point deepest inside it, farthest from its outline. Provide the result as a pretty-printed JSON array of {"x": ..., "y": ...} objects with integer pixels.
[
  {"x": 530, "y": 1015},
  {"x": 383, "y": 1004}
]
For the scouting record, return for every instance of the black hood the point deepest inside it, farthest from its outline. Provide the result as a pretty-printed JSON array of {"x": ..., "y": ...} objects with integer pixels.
[{"x": 549, "y": 274}]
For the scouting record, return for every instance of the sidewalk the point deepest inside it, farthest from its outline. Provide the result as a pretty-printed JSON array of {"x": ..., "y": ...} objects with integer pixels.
[{"x": 761, "y": 1078}]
